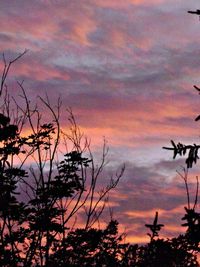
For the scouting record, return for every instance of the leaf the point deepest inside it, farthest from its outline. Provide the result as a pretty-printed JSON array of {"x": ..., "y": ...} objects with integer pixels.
[
  {"x": 197, "y": 118},
  {"x": 197, "y": 88}
]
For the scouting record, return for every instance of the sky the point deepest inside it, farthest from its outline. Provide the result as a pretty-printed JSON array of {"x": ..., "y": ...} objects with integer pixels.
[{"x": 127, "y": 70}]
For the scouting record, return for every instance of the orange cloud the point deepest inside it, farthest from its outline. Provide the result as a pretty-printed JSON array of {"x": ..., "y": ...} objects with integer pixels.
[
  {"x": 39, "y": 72},
  {"x": 81, "y": 30},
  {"x": 140, "y": 239},
  {"x": 125, "y": 3},
  {"x": 146, "y": 2}
]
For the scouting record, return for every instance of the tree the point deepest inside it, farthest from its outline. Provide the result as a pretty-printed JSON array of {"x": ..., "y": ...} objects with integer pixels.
[
  {"x": 92, "y": 247},
  {"x": 192, "y": 217},
  {"x": 40, "y": 202}
]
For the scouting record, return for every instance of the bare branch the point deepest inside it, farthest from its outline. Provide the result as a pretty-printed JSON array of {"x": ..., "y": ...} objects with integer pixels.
[{"x": 7, "y": 68}]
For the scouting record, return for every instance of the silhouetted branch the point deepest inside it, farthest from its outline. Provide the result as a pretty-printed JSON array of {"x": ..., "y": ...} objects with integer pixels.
[
  {"x": 190, "y": 150},
  {"x": 6, "y": 68},
  {"x": 155, "y": 228},
  {"x": 184, "y": 176},
  {"x": 197, "y": 12}
]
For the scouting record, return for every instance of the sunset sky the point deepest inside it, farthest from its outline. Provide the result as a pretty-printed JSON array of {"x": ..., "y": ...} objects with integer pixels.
[{"x": 127, "y": 70}]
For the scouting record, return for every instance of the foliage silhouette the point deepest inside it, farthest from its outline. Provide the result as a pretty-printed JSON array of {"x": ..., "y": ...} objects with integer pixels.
[
  {"x": 39, "y": 203},
  {"x": 192, "y": 217},
  {"x": 155, "y": 227}
]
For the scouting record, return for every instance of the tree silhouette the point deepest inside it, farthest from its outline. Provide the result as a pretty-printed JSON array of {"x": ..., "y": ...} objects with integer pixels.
[
  {"x": 39, "y": 203},
  {"x": 155, "y": 227},
  {"x": 192, "y": 217}
]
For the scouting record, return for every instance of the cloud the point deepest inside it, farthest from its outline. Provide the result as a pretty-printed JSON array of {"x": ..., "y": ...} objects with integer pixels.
[
  {"x": 146, "y": 195},
  {"x": 127, "y": 69}
]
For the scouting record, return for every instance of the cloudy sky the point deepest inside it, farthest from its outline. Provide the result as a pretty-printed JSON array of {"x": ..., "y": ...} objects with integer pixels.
[{"x": 127, "y": 69}]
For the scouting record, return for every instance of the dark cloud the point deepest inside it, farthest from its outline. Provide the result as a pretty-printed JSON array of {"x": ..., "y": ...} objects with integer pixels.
[
  {"x": 169, "y": 165},
  {"x": 144, "y": 190}
]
